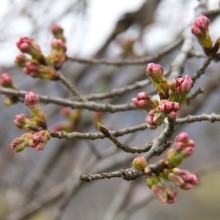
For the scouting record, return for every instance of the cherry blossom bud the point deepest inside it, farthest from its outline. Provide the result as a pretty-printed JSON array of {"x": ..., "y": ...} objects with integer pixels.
[
  {"x": 154, "y": 119},
  {"x": 200, "y": 30},
  {"x": 188, "y": 179},
  {"x": 58, "y": 54},
  {"x": 182, "y": 137},
  {"x": 202, "y": 22},
  {"x": 180, "y": 88},
  {"x": 143, "y": 101},
  {"x": 169, "y": 108},
  {"x": 22, "y": 121},
  {"x": 39, "y": 139},
  {"x": 32, "y": 102},
  {"x": 20, "y": 143},
  {"x": 187, "y": 84},
  {"x": 57, "y": 32},
  {"x": 39, "y": 71},
  {"x": 165, "y": 194},
  {"x": 139, "y": 163},
  {"x": 31, "y": 99},
  {"x": 155, "y": 72},
  {"x": 30, "y": 46},
  {"x": 21, "y": 59},
  {"x": 6, "y": 81},
  {"x": 58, "y": 44},
  {"x": 183, "y": 148}
]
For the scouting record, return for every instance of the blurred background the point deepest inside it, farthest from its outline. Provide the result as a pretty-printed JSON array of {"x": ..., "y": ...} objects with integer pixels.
[{"x": 33, "y": 184}]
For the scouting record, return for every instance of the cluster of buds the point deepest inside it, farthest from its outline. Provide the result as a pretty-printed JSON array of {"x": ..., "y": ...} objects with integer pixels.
[
  {"x": 35, "y": 140},
  {"x": 166, "y": 170},
  {"x": 165, "y": 193},
  {"x": 143, "y": 101},
  {"x": 58, "y": 45},
  {"x": 154, "y": 118},
  {"x": 183, "y": 148},
  {"x": 200, "y": 29},
  {"x": 37, "y": 136},
  {"x": 181, "y": 178},
  {"x": 6, "y": 82},
  {"x": 169, "y": 108},
  {"x": 180, "y": 88},
  {"x": 39, "y": 139},
  {"x": 172, "y": 95},
  {"x": 38, "y": 65},
  {"x": 72, "y": 117}
]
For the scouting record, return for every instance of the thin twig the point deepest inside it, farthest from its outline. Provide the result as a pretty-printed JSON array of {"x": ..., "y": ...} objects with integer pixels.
[
  {"x": 138, "y": 61},
  {"x": 202, "y": 69},
  {"x": 70, "y": 86}
]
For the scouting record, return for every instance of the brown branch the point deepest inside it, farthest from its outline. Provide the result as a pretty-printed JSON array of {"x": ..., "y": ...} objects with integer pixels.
[
  {"x": 93, "y": 106},
  {"x": 121, "y": 145},
  {"x": 70, "y": 86},
  {"x": 202, "y": 69}
]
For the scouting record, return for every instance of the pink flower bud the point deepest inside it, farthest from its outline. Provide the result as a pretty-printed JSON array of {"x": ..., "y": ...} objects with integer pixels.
[
  {"x": 58, "y": 44},
  {"x": 164, "y": 193},
  {"x": 172, "y": 115},
  {"x": 31, "y": 99},
  {"x": 190, "y": 179},
  {"x": 21, "y": 59},
  {"x": 200, "y": 30},
  {"x": 39, "y": 139},
  {"x": 55, "y": 28},
  {"x": 186, "y": 152},
  {"x": 5, "y": 80},
  {"x": 197, "y": 31},
  {"x": 20, "y": 143},
  {"x": 182, "y": 137},
  {"x": 202, "y": 22},
  {"x": 187, "y": 84},
  {"x": 30, "y": 46},
  {"x": 143, "y": 101},
  {"x": 154, "y": 70},
  {"x": 58, "y": 32},
  {"x": 135, "y": 102},
  {"x": 24, "y": 44}
]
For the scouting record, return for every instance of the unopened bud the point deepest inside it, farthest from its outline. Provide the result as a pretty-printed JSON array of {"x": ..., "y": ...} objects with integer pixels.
[{"x": 139, "y": 163}]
